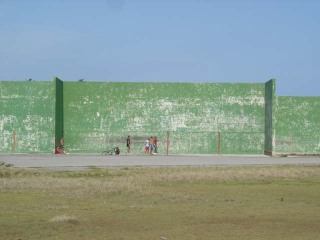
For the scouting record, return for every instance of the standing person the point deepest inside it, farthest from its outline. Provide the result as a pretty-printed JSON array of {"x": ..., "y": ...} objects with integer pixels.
[
  {"x": 128, "y": 144},
  {"x": 155, "y": 144},
  {"x": 147, "y": 147},
  {"x": 151, "y": 145}
]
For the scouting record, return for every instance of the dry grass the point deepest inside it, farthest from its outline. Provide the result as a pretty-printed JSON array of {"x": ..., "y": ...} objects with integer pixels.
[
  {"x": 98, "y": 183},
  {"x": 141, "y": 180},
  {"x": 279, "y": 202},
  {"x": 65, "y": 219}
]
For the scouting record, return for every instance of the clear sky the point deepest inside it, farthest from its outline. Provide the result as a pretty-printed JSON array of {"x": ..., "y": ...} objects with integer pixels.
[{"x": 163, "y": 41}]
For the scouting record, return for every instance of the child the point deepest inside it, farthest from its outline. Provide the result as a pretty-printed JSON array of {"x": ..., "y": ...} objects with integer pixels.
[{"x": 147, "y": 147}]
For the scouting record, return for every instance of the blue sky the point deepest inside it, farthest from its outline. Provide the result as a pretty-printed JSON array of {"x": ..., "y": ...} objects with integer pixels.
[{"x": 163, "y": 41}]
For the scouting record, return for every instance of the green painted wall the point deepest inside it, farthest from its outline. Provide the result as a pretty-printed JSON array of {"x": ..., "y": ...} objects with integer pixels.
[
  {"x": 297, "y": 125},
  {"x": 101, "y": 115},
  {"x": 58, "y": 110},
  {"x": 27, "y": 116},
  {"x": 186, "y": 117},
  {"x": 270, "y": 90}
]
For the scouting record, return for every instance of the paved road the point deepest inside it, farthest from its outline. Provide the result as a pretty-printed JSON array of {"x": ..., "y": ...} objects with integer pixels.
[{"x": 79, "y": 161}]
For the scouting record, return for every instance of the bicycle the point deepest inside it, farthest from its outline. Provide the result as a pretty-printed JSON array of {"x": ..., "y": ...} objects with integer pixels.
[{"x": 111, "y": 151}]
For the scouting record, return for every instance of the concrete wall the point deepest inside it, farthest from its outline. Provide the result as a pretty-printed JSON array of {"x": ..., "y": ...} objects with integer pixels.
[
  {"x": 187, "y": 118},
  {"x": 297, "y": 125},
  {"x": 101, "y": 115},
  {"x": 27, "y": 117}
]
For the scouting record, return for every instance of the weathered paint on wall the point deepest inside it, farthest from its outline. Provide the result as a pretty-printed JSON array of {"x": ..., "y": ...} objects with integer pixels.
[
  {"x": 187, "y": 117},
  {"x": 297, "y": 125},
  {"x": 27, "y": 116},
  {"x": 101, "y": 115}
]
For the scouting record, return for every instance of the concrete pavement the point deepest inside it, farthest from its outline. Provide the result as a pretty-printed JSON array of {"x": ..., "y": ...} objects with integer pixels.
[{"x": 83, "y": 161}]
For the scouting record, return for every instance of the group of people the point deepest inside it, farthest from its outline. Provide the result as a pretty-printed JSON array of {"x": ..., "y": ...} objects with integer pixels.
[{"x": 151, "y": 145}]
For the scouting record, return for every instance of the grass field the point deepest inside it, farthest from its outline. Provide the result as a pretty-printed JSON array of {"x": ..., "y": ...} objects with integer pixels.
[{"x": 280, "y": 202}]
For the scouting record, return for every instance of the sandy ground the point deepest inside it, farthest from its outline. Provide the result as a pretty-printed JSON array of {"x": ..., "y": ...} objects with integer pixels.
[{"x": 82, "y": 161}]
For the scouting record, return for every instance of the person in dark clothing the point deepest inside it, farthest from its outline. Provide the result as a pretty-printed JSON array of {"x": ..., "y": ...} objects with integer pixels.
[
  {"x": 117, "y": 150},
  {"x": 155, "y": 145},
  {"x": 128, "y": 144}
]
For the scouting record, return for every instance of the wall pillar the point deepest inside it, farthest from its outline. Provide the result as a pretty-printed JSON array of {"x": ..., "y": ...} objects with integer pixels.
[
  {"x": 269, "y": 142},
  {"x": 58, "y": 110}
]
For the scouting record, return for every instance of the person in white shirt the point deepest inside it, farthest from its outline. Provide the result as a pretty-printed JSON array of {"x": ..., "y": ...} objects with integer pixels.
[{"x": 147, "y": 148}]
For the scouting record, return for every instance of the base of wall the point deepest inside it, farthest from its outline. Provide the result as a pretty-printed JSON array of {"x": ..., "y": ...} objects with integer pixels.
[{"x": 268, "y": 153}]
